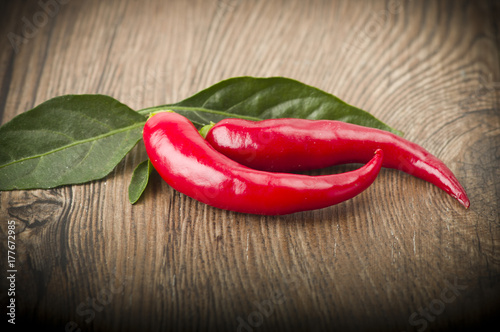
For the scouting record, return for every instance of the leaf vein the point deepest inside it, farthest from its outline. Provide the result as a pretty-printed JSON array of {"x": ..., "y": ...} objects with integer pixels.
[{"x": 75, "y": 143}]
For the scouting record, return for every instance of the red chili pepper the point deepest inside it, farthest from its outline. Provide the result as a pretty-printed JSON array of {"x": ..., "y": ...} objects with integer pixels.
[
  {"x": 189, "y": 164},
  {"x": 296, "y": 144}
]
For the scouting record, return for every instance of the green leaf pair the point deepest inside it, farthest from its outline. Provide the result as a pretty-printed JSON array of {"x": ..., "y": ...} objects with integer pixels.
[{"x": 75, "y": 139}]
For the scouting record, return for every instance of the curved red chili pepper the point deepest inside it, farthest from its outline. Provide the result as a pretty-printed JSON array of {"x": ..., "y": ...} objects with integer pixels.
[
  {"x": 189, "y": 164},
  {"x": 299, "y": 144}
]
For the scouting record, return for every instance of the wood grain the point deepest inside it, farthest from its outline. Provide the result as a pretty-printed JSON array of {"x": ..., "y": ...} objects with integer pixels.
[{"x": 402, "y": 256}]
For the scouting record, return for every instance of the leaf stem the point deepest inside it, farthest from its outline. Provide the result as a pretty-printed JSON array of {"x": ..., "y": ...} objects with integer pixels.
[{"x": 171, "y": 107}]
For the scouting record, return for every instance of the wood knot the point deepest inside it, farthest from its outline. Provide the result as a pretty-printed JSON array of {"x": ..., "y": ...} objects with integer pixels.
[{"x": 35, "y": 209}]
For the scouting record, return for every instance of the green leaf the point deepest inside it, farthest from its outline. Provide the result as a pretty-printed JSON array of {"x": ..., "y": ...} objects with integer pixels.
[
  {"x": 265, "y": 98},
  {"x": 67, "y": 140},
  {"x": 139, "y": 180}
]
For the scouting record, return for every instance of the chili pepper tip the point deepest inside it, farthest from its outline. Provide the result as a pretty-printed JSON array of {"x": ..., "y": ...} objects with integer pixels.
[{"x": 464, "y": 200}]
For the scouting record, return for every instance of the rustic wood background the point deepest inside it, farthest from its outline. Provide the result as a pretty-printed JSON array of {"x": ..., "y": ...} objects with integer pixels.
[{"x": 402, "y": 256}]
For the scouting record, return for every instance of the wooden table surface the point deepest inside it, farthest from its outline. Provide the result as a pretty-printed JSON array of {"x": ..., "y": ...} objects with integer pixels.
[{"x": 402, "y": 256}]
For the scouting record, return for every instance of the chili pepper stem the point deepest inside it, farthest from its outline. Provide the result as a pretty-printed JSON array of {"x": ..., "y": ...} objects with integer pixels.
[{"x": 205, "y": 129}]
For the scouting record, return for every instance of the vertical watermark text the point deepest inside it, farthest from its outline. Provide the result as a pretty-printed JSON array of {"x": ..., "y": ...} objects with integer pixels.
[{"x": 11, "y": 271}]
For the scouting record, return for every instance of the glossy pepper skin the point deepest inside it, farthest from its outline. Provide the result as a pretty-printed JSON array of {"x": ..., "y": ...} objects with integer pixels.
[
  {"x": 297, "y": 144},
  {"x": 189, "y": 164}
]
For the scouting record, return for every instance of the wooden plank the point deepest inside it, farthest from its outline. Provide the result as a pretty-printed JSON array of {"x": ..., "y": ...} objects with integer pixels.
[{"x": 401, "y": 256}]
